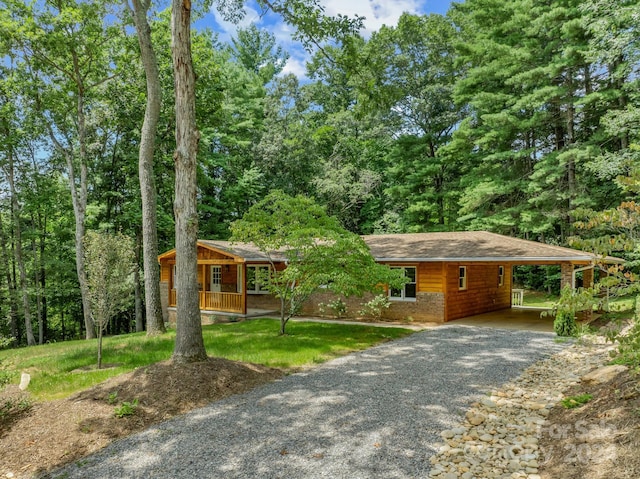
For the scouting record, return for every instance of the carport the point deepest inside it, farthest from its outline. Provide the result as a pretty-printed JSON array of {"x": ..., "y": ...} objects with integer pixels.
[{"x": 517, "y": 318}]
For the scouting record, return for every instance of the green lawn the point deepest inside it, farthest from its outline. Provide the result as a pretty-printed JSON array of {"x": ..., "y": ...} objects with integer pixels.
[
  {"x": 53, "y": 367},
  {"x": 544, "y": 300}
]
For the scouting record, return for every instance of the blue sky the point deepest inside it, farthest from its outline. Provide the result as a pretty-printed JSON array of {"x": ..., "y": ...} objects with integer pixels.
[{"x": 377, "y": 13}]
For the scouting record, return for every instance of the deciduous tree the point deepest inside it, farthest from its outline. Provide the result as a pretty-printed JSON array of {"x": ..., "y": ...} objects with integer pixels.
[
  {"x": 318, "y": 252},
  {"x": 110, "y": 264}
]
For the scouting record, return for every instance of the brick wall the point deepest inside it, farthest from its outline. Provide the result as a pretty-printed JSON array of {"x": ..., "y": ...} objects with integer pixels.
[
  {"x": 263, "y": 301},
  {"x": 426, "y": 307}
]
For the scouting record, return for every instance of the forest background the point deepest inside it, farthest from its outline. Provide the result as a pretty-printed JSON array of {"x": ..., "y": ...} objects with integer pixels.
[{"x": 518, "y": 117}]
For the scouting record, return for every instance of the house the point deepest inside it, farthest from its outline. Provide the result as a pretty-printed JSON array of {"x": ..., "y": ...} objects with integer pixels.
[{"x": 450, "y": 275}]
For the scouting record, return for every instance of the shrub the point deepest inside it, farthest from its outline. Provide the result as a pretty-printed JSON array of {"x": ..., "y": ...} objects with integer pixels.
[
  {"x": 629, "y": 343},
  {"x": 126, "y": 409},
  {"x": 565, "y": 324},
  {"x": 375, "y": 307},
  {"x": 336, "y": 308},
  {"x": 13, "y": 406},
  {"x": 6, "y": 376}
]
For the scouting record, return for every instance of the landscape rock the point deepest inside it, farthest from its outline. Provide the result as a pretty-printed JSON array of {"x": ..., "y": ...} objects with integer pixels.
[
  {"x": 604, "y": 374},
  {"x": 25, "y": 379},
  {"x": 499, "y": 437}
]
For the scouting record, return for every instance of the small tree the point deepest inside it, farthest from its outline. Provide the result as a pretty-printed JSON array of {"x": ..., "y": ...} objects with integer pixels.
[
  {"x": 317, "y": 249},
  {"x": 110, "y": 264}
]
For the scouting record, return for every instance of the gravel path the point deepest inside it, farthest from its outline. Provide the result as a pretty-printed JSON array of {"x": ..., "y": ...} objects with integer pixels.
[{"x": 372, "y": 414}]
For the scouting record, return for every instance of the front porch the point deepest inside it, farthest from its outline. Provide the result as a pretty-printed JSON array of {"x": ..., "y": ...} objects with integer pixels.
[
  {"x": 217, "y": 302},
  {"x": 230, "y": 282}
]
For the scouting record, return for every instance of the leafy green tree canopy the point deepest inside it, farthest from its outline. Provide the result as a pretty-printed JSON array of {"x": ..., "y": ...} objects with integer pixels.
[{"x": 318, "y": 252}]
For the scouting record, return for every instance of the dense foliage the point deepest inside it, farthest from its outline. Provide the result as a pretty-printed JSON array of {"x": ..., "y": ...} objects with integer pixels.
[{"x": 518, "y": 117}]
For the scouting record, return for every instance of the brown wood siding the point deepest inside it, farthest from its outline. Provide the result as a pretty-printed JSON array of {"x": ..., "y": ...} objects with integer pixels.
[
  {"x": 205, "y": 253},
  {"x": 165, "y": 271},
  {"x": 482, "y": 294},
  {"x": 430, "y": 278}
]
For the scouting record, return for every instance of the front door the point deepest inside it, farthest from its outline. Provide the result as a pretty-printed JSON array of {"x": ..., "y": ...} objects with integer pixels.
[{"x": 216, "y": 279}]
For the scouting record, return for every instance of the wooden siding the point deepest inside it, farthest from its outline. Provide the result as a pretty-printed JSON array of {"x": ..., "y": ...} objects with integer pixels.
[
  {"x": 205, "y": 253},
  {"x": 430, "y": 278},
  {"x": 483, "y": 294},
  {"x": 165, "y": 271}
]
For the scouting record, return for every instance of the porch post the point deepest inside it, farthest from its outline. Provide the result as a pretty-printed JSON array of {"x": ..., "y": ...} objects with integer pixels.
[
  {"x": 566, "y": 275},
  {"x": 587, "y": 278},
  {"x": 242, "y": 268}
]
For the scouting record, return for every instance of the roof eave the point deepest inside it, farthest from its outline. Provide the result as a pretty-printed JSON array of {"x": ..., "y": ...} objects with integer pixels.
[{"x": 489, "y": 259}]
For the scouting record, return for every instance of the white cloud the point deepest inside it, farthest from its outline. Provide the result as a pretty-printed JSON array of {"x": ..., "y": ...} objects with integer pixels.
[
  {"x": 377, "y": 12},
  {"x": 227, "y": 29},
  {"x": 296, "y": 66}
]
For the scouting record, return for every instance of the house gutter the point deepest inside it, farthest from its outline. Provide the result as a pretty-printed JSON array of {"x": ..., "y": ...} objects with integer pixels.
[{"x": 490, "y": 259}]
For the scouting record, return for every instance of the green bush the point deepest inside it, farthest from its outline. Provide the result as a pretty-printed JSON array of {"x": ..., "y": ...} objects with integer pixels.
[
  {"x": 375, "y": 307},
  {"x": 336, "y": 308},
  {"x": 565, "y": 324},
  {"x": 126, "y": 409},
  {"x": 629, "y": 343}
]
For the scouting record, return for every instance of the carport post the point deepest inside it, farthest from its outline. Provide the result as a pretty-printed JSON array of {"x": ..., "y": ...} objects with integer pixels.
[{"x": 566, "y": 276}]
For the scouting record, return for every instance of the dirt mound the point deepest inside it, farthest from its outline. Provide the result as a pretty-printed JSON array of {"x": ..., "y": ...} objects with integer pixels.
[{"x": 47, "y": 435}]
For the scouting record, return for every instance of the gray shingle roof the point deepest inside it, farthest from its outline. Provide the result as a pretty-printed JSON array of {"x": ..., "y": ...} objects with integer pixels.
[
  {"x": 247, "y": 251},
  {"x": 467, "y": 246},
  {"x": 451, "y": 246}
]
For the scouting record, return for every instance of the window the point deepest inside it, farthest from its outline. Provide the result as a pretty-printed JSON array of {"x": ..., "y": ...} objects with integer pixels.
[
  {"x": 408, "y": 292},
  {"x": 500, "y": 275},
  {"x": 462, "y": 278},
  {"x": 257, "y": 279}
]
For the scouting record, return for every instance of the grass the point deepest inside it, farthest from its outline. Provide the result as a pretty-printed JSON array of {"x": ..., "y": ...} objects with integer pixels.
[
  {"x": 543, "y": 300},
  {"x": 61, "y": 369}
]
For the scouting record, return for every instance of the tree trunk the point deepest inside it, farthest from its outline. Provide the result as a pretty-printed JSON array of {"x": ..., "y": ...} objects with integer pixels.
[
  {"x": 138, "y": 292},
  {"x": 19, "y": 259},
  {"x": 36, "y": 282},
  {"x": 79, "y": 201},
  {"x": 43, "y": 278},
  {"x": 100, "y": 348},
  {"x": 283, "y": 319},
  {"x": 189, "y": 345},
  {"x": 11, "y": 285},
  {"x": 155, "y": 321}
]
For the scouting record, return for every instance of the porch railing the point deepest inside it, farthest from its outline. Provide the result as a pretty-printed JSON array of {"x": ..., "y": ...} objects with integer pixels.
[
  {"x": 517, "y": 297},
  {"x": 226, "y": 302},
  {"x": 229, "y": 302}
]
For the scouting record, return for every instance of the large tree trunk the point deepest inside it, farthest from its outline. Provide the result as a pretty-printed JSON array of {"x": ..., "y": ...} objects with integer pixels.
[
  {"x": 155, "y": 321},
  {"x": 79, "y": 201},
  {"x": 189, "y": 342},
  {"x": 19, "y": 259}
]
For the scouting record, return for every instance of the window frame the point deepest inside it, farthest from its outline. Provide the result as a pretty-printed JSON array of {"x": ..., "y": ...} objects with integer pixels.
[
  {"x": 258, "y": 286},
  {"x": 462, "y": 278},
  {"x": 403, "y": 292},
  {"x": 500, "y": 275}
]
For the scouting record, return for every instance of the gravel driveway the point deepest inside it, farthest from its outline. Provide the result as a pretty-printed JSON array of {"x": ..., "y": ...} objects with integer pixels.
[{"x": 374, "y": 414}]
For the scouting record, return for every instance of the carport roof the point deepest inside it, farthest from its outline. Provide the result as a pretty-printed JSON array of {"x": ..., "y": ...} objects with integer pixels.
[{"x": 471, "y": 246}]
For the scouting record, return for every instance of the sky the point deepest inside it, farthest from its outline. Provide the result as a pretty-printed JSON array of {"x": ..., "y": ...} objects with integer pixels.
[{"x": 376, "y": 13}]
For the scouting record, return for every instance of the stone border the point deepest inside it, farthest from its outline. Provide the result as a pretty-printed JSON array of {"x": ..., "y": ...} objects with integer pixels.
[{"x": 499, "y": 437}]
